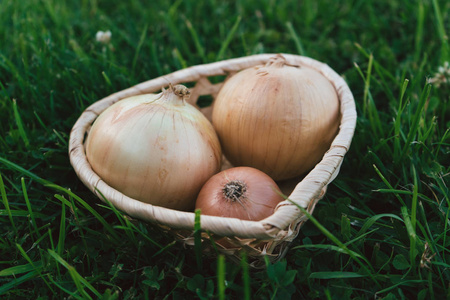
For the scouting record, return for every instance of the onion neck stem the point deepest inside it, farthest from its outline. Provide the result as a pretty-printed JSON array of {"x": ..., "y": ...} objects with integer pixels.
[
  {"x": 175, "y": 95},
  {"x": 278, "y": 61},
  {"x": 234, "y": 190}
]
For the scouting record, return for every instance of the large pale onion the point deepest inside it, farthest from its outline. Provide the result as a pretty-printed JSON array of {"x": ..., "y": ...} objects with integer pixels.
[
  {"x": 278, "y": 118},
  {"x": 156, "y": 148}
]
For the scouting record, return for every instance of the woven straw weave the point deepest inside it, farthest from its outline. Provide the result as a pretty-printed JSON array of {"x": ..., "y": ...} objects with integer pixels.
[{"x": 270, "y": 236}]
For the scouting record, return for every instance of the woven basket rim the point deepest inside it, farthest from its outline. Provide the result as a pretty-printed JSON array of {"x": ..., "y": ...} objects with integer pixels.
[{"x": 286, "y": 215}]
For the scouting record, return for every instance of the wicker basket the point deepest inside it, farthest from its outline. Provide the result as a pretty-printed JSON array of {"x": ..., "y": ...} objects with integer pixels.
[{"x": 270, "y": 236}]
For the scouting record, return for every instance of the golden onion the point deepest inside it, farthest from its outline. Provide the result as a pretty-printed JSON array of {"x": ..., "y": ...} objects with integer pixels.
[{"x": 278, "y": 118}]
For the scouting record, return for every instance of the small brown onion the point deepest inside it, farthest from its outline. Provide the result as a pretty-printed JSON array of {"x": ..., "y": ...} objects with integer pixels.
[
  {"x": 240, "y": 192},
  {"x": 156, "y": 148},
  {"x": 278, "y": 118}
]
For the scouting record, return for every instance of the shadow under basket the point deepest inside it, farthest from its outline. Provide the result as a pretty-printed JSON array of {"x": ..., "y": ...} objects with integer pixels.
[{"x": 270, "y": 237}]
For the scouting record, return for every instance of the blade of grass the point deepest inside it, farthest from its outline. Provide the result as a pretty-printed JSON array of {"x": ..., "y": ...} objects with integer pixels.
[
  {"x": 52, "y": 103},
  {"x": 370, "y": 221},
  {"x": 403, "y": 192},
  {"x": 429, "y": 133},
  {"x": 398, "y": 119},
  {"x": 173, "y": 28},
  {"x": 10, "y": 67},
  {"x": 102, "y": 220},
  {"x": 441, "y": 31},
  {"x": 343, "y": 186},
  {"x": 228, "y": 39},
  {"x": 367, "y": 99},
  {"x": 328, "y": 294},
  {"x": 335, "y": 240},
  {"x": 72, "y": 294},
  {"x": 75, "y": 214},
  {"x": 387, "y": 262},
  {"x": 429, "y": 236},
  {"x": 403, "y": 282},
  {"x": 62, "y": 230},
  {"x": 198, "y": 239},
  {"x": 36, "y": 268},
  {"x": 338, "y": 249},
  {"x": 40, "y": 121},
  {"x": 413, "y": 239},
  {"x": 442, "y": 141},
  {"x": 130, "y": 226},
  {"x": 30, "y": 210},
  {"x": 409, "y": 227},
  {"x": 378, "y": 161},
  {"x": 125, "y": 223},
  {"x": 245, "y": 276},
  {"x": 24, "y": 171},
  {"x": 360, "y": 237},
  {"x": 16, "y": 270},
  {"x": 298, "y": 43},
  {"x": 369, "y": 107},
  {"x": 445, "y": 236},
  {"x": 414, "y": 199},
  {"x": 138, "y": 48},
  {"x": 80, "y": 281},
  {"x": 381, "y": 71},
  {"x": 430, "y": 285},
  {"x": 416, "y": 118},
  {"x": 14, "y": 186},
  {"x": 43, "y": 236},
  {"x": 443, "y": 187},
  {"x": 17, "y": 281},
  {"x": 59, "y": 136},
  {"x": 19, "y": 124},
  {"x": 107, "y": 80},
  {"x": 335, "y": 275},
  {"x": 4, "y": 143},
  {"x": 221, "y": 276},
  {"x": 195, "y": 38},
  {"x": 52, "y": 244},
  {"x": 419, "y": 30},
  {"x": 155, "y": 59},
  {"x": 179, "y": 59},
  {"x": 388, "y": 185},
  {"x": 6, "y": 203},
  {"x": 21, "y": 213},
  {"x": 163, "y": 249},
  {"x": 79, "y": 51}
]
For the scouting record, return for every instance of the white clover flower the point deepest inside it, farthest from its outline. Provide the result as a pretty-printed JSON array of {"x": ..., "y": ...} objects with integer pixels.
[
  {"x": 103, "y": 37},
  {"x": 442, "y": 76}
]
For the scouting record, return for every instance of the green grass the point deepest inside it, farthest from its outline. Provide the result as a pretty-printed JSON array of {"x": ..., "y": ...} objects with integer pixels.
[{"x": 381, "y": 231}]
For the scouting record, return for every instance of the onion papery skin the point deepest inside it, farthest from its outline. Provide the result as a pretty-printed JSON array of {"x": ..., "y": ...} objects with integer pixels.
[
  {"x": 155, "y": 148},
  {"x": 257, "y": 200},
  {"x": 278, "y": 118}
]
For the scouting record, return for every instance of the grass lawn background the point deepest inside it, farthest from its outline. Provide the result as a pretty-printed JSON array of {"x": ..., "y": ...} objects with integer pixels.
[{"x": 383, "y": 227}]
